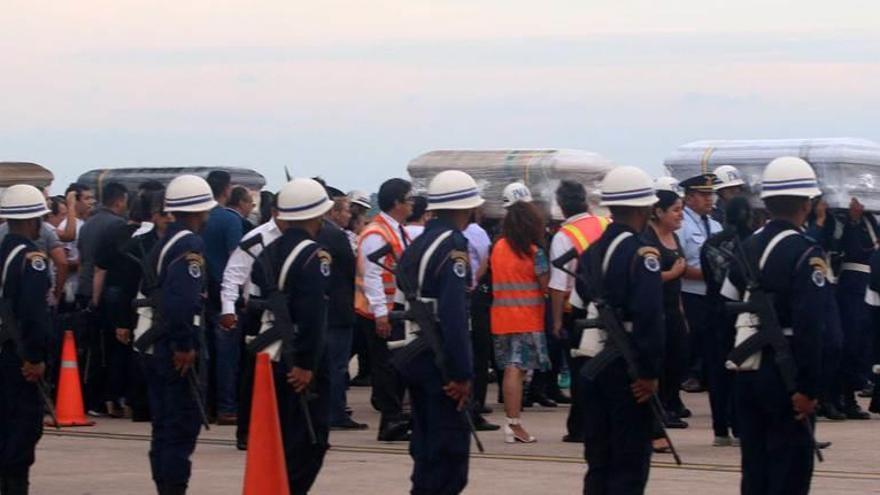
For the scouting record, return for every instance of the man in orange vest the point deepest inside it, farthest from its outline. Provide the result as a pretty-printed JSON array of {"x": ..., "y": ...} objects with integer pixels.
[
  {"x": 579, "y": 231},
  {"x": 374, "y": 299}
]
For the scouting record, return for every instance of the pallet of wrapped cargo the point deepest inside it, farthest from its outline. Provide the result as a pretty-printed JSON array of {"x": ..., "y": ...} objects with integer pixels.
[
  {"x": 845, "y": 167},
  {"x": 12, "y": 173},
  {"x": 541, "y": 170},
  {"x": 133, "y": 177}
]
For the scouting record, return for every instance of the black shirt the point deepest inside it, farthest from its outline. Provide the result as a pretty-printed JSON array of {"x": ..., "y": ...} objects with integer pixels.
[{"x": 341, "y": 304}]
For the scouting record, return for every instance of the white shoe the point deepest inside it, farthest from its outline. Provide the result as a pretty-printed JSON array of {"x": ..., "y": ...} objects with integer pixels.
[{"x": 510, "y": 436}]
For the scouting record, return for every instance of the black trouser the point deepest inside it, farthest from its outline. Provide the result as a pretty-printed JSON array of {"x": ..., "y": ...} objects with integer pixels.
[
  {"x": 388, "y": 390},
  {"x": 481, "y": 339},
  {"x": 360, "y": 348},
  {"x": 440, "y": 444},
  {"x": 547, "y": 382},
  {"x": 777, "y": 451},
  {"x": 617, "y": 434},
  {"x": 21, "y": 422},
  {"x": 245, "y": 396},
  {"x": 696, "y": 311},
  {"x": 575, "y": 421},
  {"x": 676, "y": 360},
  {"x": 854, "y": 319},
  {"x": 718, "y": 342},
  {"x": 303, "y": 458},
  {"x": 99, "y": 343},
  {"x": 832, "y": 350}
]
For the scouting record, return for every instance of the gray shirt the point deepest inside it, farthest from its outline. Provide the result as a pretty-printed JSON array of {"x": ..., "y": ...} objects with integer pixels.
[
  {"x": 90, "y": 236},
  {"x": 48, "y": 238}
]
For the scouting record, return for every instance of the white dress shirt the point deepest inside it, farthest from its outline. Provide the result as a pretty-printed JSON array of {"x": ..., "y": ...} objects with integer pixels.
[
  {"x": 237, "y": 274},
  {"x": 561, "y": 244},
  {"x": 374, "y": 289}
]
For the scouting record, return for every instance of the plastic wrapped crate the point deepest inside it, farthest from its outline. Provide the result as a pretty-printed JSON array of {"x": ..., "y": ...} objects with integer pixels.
[
  {"x": 133, "y": 177},
  {"x": 845, "y": 167},
  {"x": 12, "y": 173},
  {"x": 540, "y": 170}
]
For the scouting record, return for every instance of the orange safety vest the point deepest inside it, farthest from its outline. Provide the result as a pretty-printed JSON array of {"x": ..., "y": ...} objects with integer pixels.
[
  {"x": 585, "y": 231},
  {"x": 517, "y": 299},
  {"x": 379, "y": 226}
]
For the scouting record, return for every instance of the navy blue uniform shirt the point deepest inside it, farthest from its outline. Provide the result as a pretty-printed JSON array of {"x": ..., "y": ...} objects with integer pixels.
[
  {"x": 306, "y": 286},
  {"x": 182, "y": 278},
  {"x": 856, "y": 243},
  {"x": 447, "y": 278},
  {"x": 634, "y": 287},
  {"x": 795, "y": 274},
  {"x": 27, "y": 285}
]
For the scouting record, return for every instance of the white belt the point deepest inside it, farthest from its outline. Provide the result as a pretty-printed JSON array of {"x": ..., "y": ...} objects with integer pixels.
[{"x": 856, "y": 267}]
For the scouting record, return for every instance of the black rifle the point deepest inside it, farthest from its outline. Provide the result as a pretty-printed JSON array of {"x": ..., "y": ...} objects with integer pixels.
[
  {"x": 283, "y": 327},
  {"x": 424, "y": 315},
  {"x": 769, "y": 332},
  {"x": 618, "y": 345},
  {"x": 150, "y": 283},
  {"x": 9, "y": 331}
]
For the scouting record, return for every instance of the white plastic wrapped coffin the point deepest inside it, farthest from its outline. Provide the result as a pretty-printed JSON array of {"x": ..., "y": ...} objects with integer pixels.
[
  {"x": 846, "y": 167},
  {"x": 541, "y": 170}
]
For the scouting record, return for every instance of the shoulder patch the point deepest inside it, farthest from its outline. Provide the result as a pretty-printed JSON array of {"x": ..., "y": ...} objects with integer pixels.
[
  {"x": 460, "y": 260},
  {"x": 648, "y": 251},
  {"x": 194, "y": 264},
  {"x": 325, "y": 260},
  {"x": 37, "y": 260},
  {"x": 818, "y": 264},
  {"x": 651, "y": 258}
]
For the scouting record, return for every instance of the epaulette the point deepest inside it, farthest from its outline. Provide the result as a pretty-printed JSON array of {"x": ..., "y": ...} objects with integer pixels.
[{"x": 195, "y": 258}]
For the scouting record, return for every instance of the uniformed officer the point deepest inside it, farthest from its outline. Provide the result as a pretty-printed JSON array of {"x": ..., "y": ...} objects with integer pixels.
[
  {"x": 436, "y": 265},
  {"x": 696, "y": 228},
  {"x": 872, "y": 298},
  {"x": 618, "y": 424},
  {"x": 777, "y": 446},
  {"x": 24, "y": 289},
  {"x": 858, "y": 243},
  {"x": 299, "y": 267},
  {"x": 730, "y": 185},
  {"x": 179, "y": 274}
]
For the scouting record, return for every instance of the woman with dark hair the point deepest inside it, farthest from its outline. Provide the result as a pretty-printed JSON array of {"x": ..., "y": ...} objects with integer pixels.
[
  {"x": 666, "y": 219},
  {"x": 520, "y": 272}
]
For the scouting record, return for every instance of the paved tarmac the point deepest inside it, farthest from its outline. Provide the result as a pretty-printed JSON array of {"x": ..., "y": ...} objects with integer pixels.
[{"x": 111, "y": 458}]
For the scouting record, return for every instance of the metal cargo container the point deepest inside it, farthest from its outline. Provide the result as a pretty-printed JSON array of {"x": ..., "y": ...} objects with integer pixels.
[
  {"x": 845, "y": 167},
  {"x": 540, "y": 170}
]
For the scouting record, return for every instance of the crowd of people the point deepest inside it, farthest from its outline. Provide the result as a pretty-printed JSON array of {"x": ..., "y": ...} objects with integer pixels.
[{"x": 164, "y": 281}]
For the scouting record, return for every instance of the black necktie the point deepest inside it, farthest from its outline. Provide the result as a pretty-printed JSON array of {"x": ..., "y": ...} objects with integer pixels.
[
  {"x": 706, "y": 225},
  {"x": 403, "y": 236}
]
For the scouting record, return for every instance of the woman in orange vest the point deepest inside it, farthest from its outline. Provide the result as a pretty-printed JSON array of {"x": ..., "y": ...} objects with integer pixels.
[{"x": 520, "y": 272}]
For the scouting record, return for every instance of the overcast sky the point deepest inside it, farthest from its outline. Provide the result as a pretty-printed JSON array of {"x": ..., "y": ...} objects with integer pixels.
[{"x": 352, "y": 90}]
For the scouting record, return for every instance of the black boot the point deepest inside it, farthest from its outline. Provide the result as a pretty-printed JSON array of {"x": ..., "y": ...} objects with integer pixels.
[
  {"x": 830, "y": 411},
  {"x": 394, "y": 430},
  {"x": 171, "y": 488},
  {"x": 852, "y": 409}
]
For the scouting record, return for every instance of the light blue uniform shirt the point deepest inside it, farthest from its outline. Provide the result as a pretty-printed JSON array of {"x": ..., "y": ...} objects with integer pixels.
[{"x": 692, "y": 235}]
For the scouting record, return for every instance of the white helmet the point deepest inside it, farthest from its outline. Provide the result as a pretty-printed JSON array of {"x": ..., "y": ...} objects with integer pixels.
[
  {"x": 21, "y": 202},
  {"x": 667, "y": 184},
  {"x": 515, "y": 191},
  {"x": 628, "y": 186},
  {"x": 789, "y": 176},
  {"x": 360, "y": 198},
  {"x": 728, "y": 176},
  {"x": 303, "y": 199},
  {"x": 189, "y": 193},
  {"x": 453, "y": 190}
]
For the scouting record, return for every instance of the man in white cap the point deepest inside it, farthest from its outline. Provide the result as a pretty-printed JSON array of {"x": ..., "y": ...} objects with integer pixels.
[
  {"x": 730, "y": 185},
  {"x": 776, "y": 390},
  {"x": 513, "y": 192},
  {"x": 170, "y": 349},
  {"x": 24, "y": 334},
  {"x": 621, "y": 269},
  {"x": 437, "y": 269},
  {"x": 300, "y": 268}
]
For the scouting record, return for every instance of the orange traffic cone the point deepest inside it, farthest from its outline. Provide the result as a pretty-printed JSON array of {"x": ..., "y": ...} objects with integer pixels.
[
  {"x": 69, "y": 402},
  {"x": 265, "y": 471}
]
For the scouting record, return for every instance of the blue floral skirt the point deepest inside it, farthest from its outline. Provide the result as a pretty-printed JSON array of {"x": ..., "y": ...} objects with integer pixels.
[{"x": 526, "y": 351}]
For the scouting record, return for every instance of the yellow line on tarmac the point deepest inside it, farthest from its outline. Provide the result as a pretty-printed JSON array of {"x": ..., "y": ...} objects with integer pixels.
[{"x": 704, "y": 467}]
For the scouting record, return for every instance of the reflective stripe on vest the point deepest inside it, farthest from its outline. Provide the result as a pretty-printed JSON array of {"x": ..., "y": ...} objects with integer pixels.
[
  {"x": 585, "y": 231},
  {"x": 517, "y": 299},
  {"x": 379, "y": 226}
]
